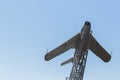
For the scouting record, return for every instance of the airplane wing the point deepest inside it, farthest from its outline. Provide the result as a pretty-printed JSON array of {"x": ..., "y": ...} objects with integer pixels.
[
  {"x": 62, "y": 48},
  {"x": 98, "y": 50},
  {"x": 67, "y": 61}
]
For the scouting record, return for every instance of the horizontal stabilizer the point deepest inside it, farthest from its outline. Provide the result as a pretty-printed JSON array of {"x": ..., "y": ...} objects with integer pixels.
[
  {"x": 62, "y": 48},
  {"x": 67, "y": 61},
  {"x": 98, "y": 50}
]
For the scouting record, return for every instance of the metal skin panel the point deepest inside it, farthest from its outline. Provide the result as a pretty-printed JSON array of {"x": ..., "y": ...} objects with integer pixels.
[
  {"x": 62, "y": 48},
  {"x": 98, "y": 50}
]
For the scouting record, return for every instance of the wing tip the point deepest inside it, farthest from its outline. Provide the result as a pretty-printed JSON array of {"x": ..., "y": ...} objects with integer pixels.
[
  {"x": 46, "y": 58},
  {"x": 107, "y": 59}
]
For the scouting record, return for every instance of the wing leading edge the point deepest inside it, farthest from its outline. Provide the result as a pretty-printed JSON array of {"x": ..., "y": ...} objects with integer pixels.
[
  {"x": 98, "y": 50},
  {"x": 62, "y": 48}
]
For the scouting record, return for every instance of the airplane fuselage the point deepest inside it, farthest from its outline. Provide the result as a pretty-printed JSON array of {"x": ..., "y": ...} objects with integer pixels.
[{"x": 85, "y": 36}]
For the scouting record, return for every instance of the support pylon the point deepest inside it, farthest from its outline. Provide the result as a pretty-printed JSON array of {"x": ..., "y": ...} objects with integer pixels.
[{"x": 79, "y": 63}]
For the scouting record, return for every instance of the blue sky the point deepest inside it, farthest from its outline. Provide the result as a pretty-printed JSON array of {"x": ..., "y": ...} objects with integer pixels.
[{"x": 28, "y": 28}]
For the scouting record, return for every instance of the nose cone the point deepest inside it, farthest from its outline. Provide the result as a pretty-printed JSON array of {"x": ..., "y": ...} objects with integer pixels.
[{"x": 87, "y": 23}]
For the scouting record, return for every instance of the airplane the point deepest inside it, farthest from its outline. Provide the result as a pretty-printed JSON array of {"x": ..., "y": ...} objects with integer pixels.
[{"x": 86, "y": 41}]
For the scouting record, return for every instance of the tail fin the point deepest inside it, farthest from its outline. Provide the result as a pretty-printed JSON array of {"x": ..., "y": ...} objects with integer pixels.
[{"x": 67, "y": 61}]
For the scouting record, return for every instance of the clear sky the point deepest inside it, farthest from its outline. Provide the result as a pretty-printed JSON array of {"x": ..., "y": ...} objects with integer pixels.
[{"x": 28, "y": 28}]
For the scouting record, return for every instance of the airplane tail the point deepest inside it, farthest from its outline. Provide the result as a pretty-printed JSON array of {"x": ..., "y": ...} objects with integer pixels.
[{"x": 67, "y": 61}]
